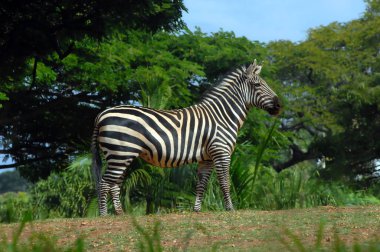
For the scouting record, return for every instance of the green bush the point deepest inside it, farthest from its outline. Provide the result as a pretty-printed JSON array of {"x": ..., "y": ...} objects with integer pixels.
[
  {"x": 71, "y": 193},
  {"x": 296, "y": 187},
  {"x": 66, "y": 194},
  {"x": 13, "y": 206}
]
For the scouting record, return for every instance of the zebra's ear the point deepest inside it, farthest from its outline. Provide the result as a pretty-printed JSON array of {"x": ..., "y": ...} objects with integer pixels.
[
  {"x": 253, "y": 69},
  {"x": 258, "y": 69}
]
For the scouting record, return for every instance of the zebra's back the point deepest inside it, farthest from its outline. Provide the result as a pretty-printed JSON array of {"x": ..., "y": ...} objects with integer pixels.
[{"x": 165, "y": 138}]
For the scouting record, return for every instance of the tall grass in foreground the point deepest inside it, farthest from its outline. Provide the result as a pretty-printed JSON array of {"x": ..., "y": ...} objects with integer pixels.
[
  {"x": 293, "y": 243},
  {"x": 13, "y": 206},
  {"x": 37, "y": 242},
  {"x": 150, "y": 241}
]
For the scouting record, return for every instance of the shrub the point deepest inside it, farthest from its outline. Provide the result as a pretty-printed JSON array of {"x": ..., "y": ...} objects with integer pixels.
[{"x": 14, "y": 205}]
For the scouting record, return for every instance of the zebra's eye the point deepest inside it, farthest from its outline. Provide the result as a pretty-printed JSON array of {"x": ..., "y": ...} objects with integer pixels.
[{"x": 256, "y": 84}]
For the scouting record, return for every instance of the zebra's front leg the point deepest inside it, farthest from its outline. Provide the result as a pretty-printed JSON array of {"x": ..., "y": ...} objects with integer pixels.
[
  {"x": 204, "y": 172},
  {"x": 222, "y": 167}
]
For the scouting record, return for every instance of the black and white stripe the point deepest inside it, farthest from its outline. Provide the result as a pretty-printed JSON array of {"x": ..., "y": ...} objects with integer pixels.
[{"x": 204, "y": 133}]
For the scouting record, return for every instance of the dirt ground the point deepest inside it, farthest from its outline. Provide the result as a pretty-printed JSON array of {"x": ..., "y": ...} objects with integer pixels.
[{"x": 245, "y": 230}]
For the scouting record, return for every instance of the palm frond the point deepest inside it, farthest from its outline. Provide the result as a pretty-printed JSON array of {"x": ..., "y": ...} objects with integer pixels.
[{"x": 81, "y": 165}]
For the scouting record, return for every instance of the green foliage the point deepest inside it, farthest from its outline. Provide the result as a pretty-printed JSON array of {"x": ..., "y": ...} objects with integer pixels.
[
  {"x": 127, "y": 68},
  {"x": 13, "y": 206},
  {"x": 332, "y": 89},
  {"x": 260, "y": 154},
  {"x": 328, "y": 85},
  {"x": 297, "y": 187},
  {"x": 71, "y": 193},
  {"x": 243, "y": 179},
  {"x": 219, "y": 52},
  {"x": 3, "y": 97},
  {"x": 161, "y": 71},
  {"x": 166, "y": 190},
  {"x": 67, "y": 194},
  {"x": 35, "y": 30}
]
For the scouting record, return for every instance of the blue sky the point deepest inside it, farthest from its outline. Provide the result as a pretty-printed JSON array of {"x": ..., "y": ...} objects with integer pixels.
[{"x": 269, "y": 20}]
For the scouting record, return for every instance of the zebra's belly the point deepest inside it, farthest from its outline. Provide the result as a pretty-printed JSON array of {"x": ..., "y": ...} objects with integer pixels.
[{"x": 169, "y": 162}]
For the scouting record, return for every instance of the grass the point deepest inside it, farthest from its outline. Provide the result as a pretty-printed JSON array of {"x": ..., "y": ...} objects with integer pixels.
[
  {"x": 36, "y": 241},
  {"x": 314, "y": 229}
]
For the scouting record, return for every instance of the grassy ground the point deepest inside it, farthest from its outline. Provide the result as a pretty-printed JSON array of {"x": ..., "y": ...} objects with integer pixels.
[{"x": 227, "y": 231}]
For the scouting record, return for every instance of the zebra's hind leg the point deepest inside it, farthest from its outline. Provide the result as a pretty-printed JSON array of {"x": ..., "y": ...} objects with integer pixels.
[
  {"x": 114, "y": 189},
  {"x": 111, "y": 182},
  {"x": 103, "y": 193},
  {"x": 115, "y": 194},
  {"x": 204, "y": 172}
]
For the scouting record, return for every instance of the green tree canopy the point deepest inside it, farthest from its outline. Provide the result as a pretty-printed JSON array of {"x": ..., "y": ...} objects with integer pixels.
[
  {"x": 328, "y": 85},
  {"x": 38, "y": 28},
  {"x": 332, "y": 88},
  {"x": 46, "y": 123}
]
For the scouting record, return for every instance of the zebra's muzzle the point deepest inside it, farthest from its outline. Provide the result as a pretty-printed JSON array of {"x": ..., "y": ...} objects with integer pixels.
[{"x": 276, "y": 107}]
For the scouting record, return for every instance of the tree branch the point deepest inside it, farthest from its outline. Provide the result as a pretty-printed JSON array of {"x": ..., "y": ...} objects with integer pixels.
[
  {"x": 29, "y": 161},
  {"x": 297, "y": 156},
  {"x": 34, "y": 73},
  {"x": 61, "y": 54},
  {"x": 310, "y": 75},
  {"x": 14, "y": 165},
  {"x": 67, "y": 52},
  {"x": 7, "y": 166}
]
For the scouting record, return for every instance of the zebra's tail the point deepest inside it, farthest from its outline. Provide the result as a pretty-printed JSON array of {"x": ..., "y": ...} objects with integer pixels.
[{"x": 96, "y": 165}]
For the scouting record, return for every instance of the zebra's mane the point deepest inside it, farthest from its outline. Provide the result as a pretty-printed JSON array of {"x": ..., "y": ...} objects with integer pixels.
[{"x": 229, "y": 77}]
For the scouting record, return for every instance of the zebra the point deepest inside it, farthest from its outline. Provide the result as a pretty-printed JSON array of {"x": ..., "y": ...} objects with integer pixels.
[{"x": 205, "y": 133}]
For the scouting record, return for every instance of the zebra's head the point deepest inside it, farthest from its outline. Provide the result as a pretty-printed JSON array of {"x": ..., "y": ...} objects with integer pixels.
[{"x": 259, "y": 93}]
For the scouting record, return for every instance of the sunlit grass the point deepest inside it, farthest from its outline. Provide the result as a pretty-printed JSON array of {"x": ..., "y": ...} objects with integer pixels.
[{"x": 316, "y": 229}]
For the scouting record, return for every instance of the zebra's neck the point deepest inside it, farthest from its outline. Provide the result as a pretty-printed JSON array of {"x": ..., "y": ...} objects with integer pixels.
[{"x": 227, "y": 99}]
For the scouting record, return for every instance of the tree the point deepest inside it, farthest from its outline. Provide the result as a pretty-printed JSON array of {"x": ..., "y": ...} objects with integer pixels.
[
  {"x": 55, "y": 120},
  {"x": 35, "y": 38},
  {"x": 44, "y": 124},
  {"x": 332, "y": 80},
  {"x": 328, "y": 86},
  {"x": 35, "y": 29}
]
